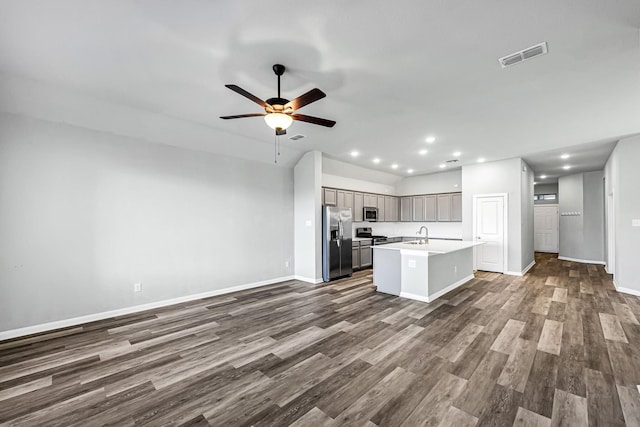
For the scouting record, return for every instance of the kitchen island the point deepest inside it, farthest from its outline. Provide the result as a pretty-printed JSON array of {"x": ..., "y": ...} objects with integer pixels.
[{"x": 422, "y": 272}]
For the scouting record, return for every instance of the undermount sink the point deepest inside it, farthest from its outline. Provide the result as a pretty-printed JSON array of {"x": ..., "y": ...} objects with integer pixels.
[{"x": 415, "y": 243}]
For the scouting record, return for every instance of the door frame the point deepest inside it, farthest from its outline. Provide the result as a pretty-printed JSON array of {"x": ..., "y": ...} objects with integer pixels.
[
  {"x": 505, "y": 226},
  {"x": 556, "y": 205},
  {"x": 610, "y": 266}
]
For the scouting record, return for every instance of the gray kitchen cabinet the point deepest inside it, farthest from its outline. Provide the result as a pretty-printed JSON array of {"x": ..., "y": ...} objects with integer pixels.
[
  {"x": 366, "y": 255},
  {"x": 418, "y": 208},
  {"x": 381, "y": 210},
  {"x": 391, "y": 208},
  {"x": 355, "y": 255},
  {"x": 345, "y": 199},
  {"x": 406, "y": 209},
  {"x": 444, "y": 207},
  {"x": 370, "y": 200},
  {"x": 430, "y": 208},
  {"x": 329, "y": 197},
  {"x": 456, "y": 207},
  {"x": 358, "y": 205}
]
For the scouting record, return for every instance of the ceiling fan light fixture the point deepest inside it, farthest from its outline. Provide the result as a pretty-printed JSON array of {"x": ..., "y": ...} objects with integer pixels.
[{"x": 278, "y": 120}]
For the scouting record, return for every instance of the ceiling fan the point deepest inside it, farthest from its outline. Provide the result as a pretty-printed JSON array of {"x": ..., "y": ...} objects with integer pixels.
[{"x": 279, "y": 112}]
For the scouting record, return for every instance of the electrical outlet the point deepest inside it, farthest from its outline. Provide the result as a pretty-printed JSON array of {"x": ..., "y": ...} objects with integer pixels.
[
  {"x": 635, "y": 222},
  {"x": 137, "y": 287},
  {"x": 286, "y": 264},
  {"x": 411, "y": 263},
  {"x": 455, "y": 268}
]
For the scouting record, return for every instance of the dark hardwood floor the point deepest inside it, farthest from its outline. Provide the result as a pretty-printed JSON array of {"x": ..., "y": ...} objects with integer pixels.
[{"x": 557, "y": 347}]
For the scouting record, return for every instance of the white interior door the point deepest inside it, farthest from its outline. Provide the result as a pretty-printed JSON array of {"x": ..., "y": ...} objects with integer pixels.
[
  {"x": 489, "y": 228},
  {"x": 545, "y": 228}
]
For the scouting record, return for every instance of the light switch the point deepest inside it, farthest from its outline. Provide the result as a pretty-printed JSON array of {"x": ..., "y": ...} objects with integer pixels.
[
  {"x": 635, "y": 222},
  {"x": 308, "y": 223}
]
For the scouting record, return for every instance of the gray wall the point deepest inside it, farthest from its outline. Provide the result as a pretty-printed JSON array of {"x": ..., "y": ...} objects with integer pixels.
[
  {"x": 582, "y": 237},
  {"x": 504, "y": 176},
  {"x": 622, "y": 178},
  {"x": 441, "y": 182},
  {"x": 85, "y": 215},
  {"x": 547, "y": 189}
]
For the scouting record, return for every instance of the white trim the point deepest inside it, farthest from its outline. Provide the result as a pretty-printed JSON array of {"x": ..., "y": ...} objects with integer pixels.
[
  {"x": 438, "y": 294},
  {"x": 584, "y": 261},
  {"x": 308, "y": 279},
  {"x": 626, "y": 290},
  {"x": 505, "y": 231},
  {"x": 75, "y": 321},
  {"x": 523, "y": 272}
]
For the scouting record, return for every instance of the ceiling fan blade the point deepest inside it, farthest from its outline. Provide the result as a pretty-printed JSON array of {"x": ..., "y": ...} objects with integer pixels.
[
  {"x": 240, "y": 116},
  {"x": 246, "y": 94},
  {"x": 312, "y": 96},
  {"x": 314, "y": 120}
]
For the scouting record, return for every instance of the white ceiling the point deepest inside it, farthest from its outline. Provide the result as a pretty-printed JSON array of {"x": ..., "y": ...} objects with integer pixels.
[{"x": 394, "y": 73}]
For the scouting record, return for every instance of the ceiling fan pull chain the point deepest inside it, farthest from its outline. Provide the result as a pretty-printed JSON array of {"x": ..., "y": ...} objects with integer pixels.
[
  {"x": 278, "y": 138},
  {"x": 275, "y": 150}
]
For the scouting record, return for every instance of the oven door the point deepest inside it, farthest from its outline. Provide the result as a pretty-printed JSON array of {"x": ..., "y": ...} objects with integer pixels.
[{"x": 370, "y": 214}]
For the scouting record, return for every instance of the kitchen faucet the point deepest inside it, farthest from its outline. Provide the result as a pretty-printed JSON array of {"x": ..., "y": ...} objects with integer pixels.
[{"x": 426, "y": 234}]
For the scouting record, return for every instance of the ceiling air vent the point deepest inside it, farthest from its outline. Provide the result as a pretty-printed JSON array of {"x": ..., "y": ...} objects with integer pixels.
[
  {"x": 452, "y": 161},
  {"x": 523, "y": 55},
  {"x": 296, "y": 137}
]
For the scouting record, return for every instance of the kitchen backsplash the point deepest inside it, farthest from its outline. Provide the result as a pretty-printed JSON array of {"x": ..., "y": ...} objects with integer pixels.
[{"x": 450, "y": 230}]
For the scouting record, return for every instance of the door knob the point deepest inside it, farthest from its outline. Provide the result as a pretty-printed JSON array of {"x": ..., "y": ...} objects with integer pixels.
[{"x": 479, "y": 237}]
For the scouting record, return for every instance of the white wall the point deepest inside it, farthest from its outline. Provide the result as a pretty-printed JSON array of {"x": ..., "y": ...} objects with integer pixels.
[
  {"x": 526, "y": 199},
  {"x": 336, "y": 181},
  {"x": 441, "y": 182},
  {"x": 308, "y": 217},
  {"x": 582, "y": 237},
  {"x": 622, "y": 178},
  {"x": 498, "y": 177},
  {"x": 84, "y": 215},
  {"x": 339, "y": 174}
]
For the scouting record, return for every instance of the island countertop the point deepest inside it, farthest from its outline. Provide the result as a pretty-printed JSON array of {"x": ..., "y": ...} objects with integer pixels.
[{"x": 434, "y": 247}]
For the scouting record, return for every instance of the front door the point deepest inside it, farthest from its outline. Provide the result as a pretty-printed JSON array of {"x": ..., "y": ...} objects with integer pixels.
[
  {"x": 489, "y": 229},
  {"x": 545, "y": 229}
]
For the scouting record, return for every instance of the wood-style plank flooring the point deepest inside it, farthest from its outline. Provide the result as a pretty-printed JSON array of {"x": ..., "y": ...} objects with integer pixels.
[{"x": 557, "y": 347}]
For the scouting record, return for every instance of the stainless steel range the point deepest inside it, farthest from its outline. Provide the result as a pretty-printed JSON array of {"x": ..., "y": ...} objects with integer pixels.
[{"x": 368, "y": 233}]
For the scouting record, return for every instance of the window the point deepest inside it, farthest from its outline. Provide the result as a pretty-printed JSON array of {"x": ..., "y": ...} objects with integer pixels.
[{"x": 545, "y": 196}]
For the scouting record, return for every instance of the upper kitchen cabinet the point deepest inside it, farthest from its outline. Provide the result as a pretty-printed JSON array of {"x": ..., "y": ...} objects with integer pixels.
[
  {"x": 450, "y": 207},
  {"x": 456, "y": 207},
  {"x": 358, "y": 205},
  {"x": 370, "y": 200},
  {"x": 430, "y": 208},
  {"x": 381, "y": 210},
  {"x": 406, "y": 209},
  {"x": 330, "y": 197},
  {"x": 391, "y": 208},
  {"x": 418, "y": 208},
  {"x": 345, "y": 199}
]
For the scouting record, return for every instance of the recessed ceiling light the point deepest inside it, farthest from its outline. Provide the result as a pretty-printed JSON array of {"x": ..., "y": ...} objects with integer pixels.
[
  {"x": 431, "y": 139},
  {"x": 481, "y": 160},
  {"x": 394, "y": 166},
  {"x": 442, "y": 166},
  {"x": 457, "y": 154},
  {"x": 564, "y": 156},
  {"x": 376, "y": 160},
  {"x": 354, "y": 153},
  {"x": 409, "y": 170},
  {"x": 566, "y": 167},
  {"x": 543, "y": 176},
  {"x": 423, "y": 152}
]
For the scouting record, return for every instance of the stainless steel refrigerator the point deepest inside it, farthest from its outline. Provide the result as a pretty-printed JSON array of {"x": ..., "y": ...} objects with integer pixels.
[{"x": 336, "y": 243}]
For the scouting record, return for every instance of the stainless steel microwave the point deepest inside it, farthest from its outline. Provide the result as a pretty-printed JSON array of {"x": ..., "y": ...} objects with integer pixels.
[{"x": 370, "y": 214}]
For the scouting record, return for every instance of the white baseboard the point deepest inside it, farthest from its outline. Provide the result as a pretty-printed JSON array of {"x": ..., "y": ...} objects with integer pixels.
[
  {"x": 523, "y": 272},
  {"x": 626, "y": 290},
  {"x": 65, "y": 323},
  {"x": 308, "y": 279},
  {"x": 584, "y": 261},
  {"x": 438, "y": 294}
]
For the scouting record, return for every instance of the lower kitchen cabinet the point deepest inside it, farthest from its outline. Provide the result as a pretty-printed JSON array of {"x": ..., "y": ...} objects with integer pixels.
[
  {"x": 355, "y": 255},
  {"x": 366, "y": 255}
]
